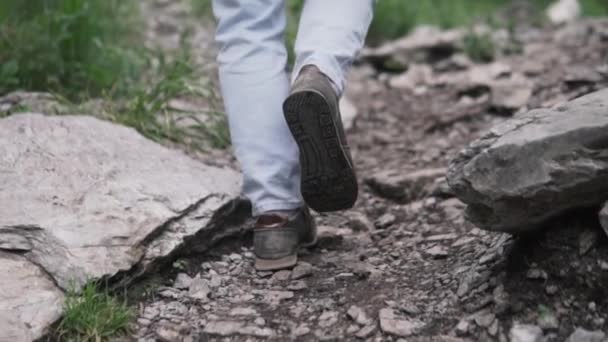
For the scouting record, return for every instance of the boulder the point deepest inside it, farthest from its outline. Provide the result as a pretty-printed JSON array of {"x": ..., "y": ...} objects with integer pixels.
[
  {"x": 563, "y": 11},
  {"x": 536, "y": 166},
  {"x": 84, "y": 199}
]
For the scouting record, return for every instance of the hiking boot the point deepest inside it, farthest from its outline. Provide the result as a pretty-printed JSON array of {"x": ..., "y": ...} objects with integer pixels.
[
  {"x": 277, "y": 238},
  {"x": 311, "y": 110}
]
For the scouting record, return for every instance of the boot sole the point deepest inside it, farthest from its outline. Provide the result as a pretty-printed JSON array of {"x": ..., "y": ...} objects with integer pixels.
[{"x": 328, "y": 180}]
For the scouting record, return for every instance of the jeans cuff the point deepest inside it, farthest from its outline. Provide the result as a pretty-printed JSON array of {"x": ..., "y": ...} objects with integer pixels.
[
  {"x": 327, "y": 65},
  {"x": 261, "y": 208}
]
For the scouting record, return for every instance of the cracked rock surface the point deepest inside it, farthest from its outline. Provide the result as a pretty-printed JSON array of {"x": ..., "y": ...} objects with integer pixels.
[{"x": 84, "y": 199}]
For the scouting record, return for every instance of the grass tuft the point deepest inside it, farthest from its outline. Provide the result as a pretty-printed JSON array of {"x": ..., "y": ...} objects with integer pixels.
[
  {"x": 479, "y": 47},
  {"x": 93, "y": 315},
  {"x": 149, "y": 112},
  {"x": 74, "y": 47}
]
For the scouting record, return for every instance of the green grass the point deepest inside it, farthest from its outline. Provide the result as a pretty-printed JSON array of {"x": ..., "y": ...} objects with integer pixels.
[
  {"x": 84, "y": 49},
  {"x": 93, "y": 315},
  {"x": 595, "y": 8},
  {"x": 148, "y": 110},
  {"x": 74, "y": 47}
]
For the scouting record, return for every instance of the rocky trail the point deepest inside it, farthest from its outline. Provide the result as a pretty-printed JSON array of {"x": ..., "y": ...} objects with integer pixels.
[{"x": 405, "y": 264}]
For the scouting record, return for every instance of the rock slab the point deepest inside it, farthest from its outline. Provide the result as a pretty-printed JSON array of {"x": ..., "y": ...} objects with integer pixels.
[
  {"x": 536, "y": 166},
  {"x": 84, "y": 199}
]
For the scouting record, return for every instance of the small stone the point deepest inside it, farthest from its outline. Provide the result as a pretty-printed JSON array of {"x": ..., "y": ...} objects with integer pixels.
[
  {"x": 587, "y": 239},
  {"x": 215, "y": 281},
  {"x": 229, "y": 328},
  {"x": 359, "y": 222},
  {"x": 358, "y": 315},
  {"x": 437, "y": 252},
  {"x": 301, "y": 330},
  {"x": 144, "y": 322},
  {"x": 235, "y": 257},
  {"x": 199, "y": 289},
  {"x": 182, "y": 281},
  {"x": 328, "y": 319},
  {"x": 463, "y": 327},
  {"x": 281, "y": 276},
  {"x": 297, "y": 285},
  {"x": 537, "y": 274},
  {"x": 366, "y": 331},
  {"x": 551, "y": 289},
  {"x": 260, "y": 321},
  {"x": 493, "y": 329},
  {"x": 582, "y": 335},
  {"x": 484, "y": 321},
  {"x": 302, "y": 270},
  {"x": 243, "y": 312},
  {"x": 273, "y": 297},
  {"x": 391, "y": 324},
  {"x": 525, "y": 333},
  {"x": 352, "y": 329},
  {"x": 385, "y": 221},
  {"x": 409, "y": 309},
  {"x": 166, "y": 334}
]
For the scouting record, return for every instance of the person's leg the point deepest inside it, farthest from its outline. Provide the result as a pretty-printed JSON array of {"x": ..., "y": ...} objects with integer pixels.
[
  {"x": 330, "y": 35},
  {"x": 252, "y": 60}
]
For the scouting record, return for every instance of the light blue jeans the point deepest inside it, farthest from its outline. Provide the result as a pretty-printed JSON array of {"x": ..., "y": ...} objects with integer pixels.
[{"x": 252, "y": 62}]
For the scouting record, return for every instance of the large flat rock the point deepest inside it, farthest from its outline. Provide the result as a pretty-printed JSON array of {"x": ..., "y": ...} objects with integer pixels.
[
  {"x": 84, "y": 199},
  {"x": 536, "y": 166}
]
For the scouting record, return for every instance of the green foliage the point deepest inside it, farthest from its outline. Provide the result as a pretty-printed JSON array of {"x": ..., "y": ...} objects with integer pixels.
[
  {"x": 149, "y": 112},
  {"x": 201, "y": 8},
  {"x": 93, "y": 315},
  {"x": 479, "y": 47},
  {"x": 394, "y": 18},
  {"x": 595, "y": 8},
  {"x": 74, "y": 47}
]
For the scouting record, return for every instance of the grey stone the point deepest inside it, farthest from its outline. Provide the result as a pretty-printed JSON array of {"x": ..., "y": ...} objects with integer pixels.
[
  {"x": 525, "y": 333},
  {"x": 328, "y": 319},
  {"x": 384, "y": 221},
  {"x": 348, "y": 112},
  {"x": 229, "y": 328},
  {"x": 366, "y": 331},
  {"x": 437, "y": 252},
  {"x": 302, "y": 270},
  {"x": 13, "y": 329},
  {"x": 166, "y": 334},
  {"x": 563, "y": 11},
  {"x": 582, "y": 335},
  {"x": 297, "y": 285},
  {"x": 404, "y": 186},
  {"x": 243, "y": 312},
  {"x": 281, "y": 275},
  {"x": 358, "y": 315},
  {"x": 359, "y": 222},
  {"x": 182, "y": 281},
  {"x": 535, "y": 166},
  {"x": 463, "y": 327},
  {"x": 394, "y": 325},
  {"x": 28, "y": 296},
  {"x": 416, "y": 47},
  {"x": 603, "y": 215},
  {"x": 199, "y": 289},
  {"x": 485, "y": 320},
  {"x": 84, "y": 198}
]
